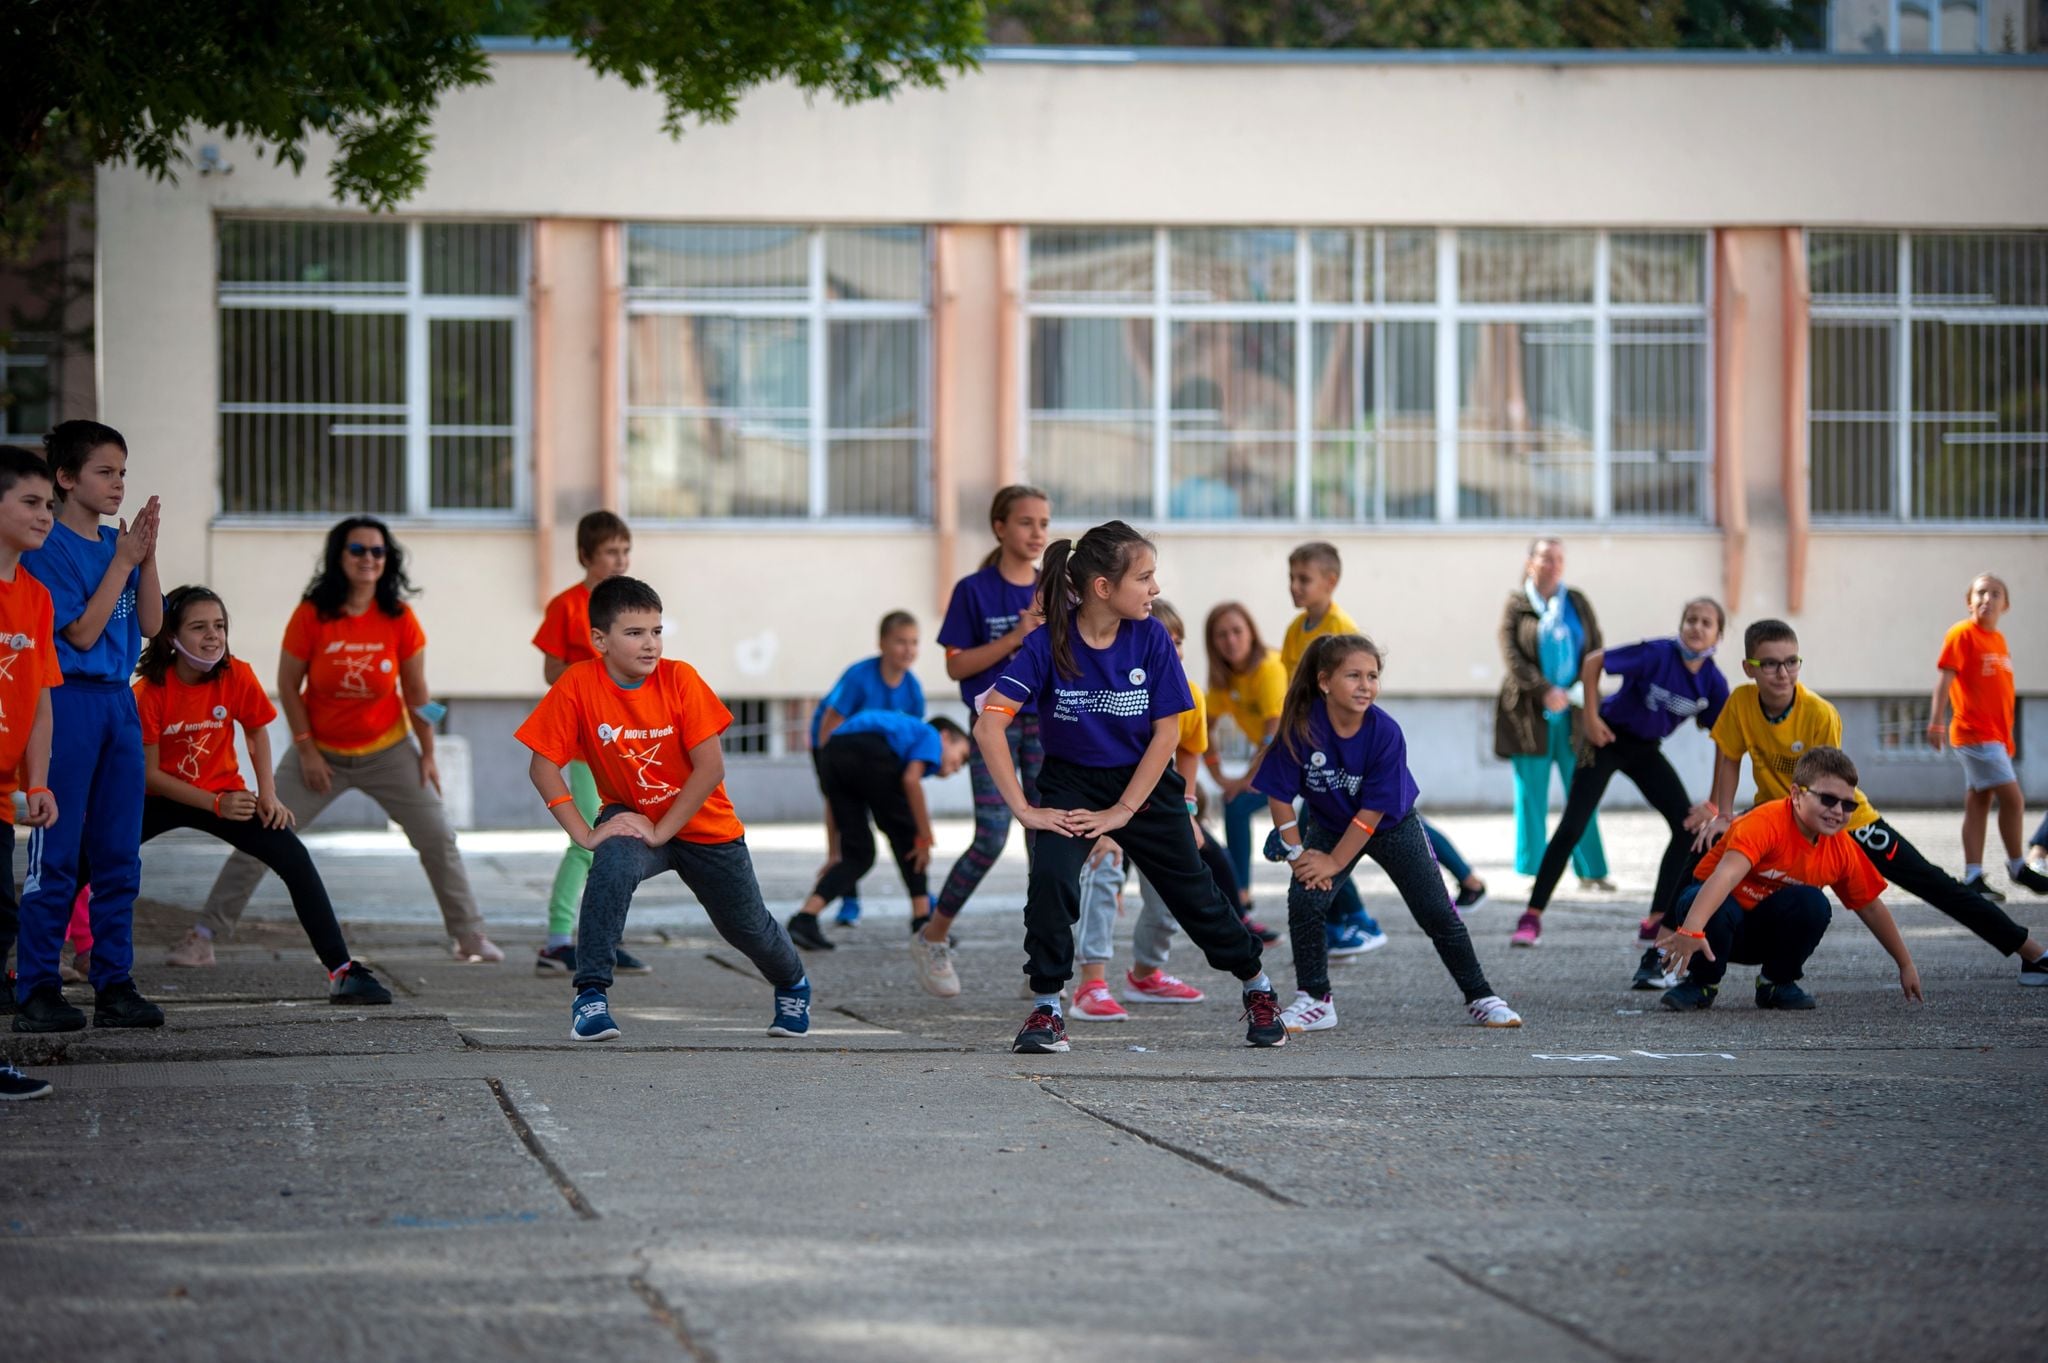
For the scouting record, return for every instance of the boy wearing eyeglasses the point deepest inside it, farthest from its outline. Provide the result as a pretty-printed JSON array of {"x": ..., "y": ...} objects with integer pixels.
[
  {"x": 1775, "y": 721},
  {"x": 1757, "y": 895}
]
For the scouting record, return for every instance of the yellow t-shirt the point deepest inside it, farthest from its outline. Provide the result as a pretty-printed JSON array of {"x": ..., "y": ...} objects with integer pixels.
[
  {"x": 1254, "y": 698},
  {"x": 1295, "y": 646},
  {"x": 1194, "y": 726},
  {"x": 1774, "y": 749}
]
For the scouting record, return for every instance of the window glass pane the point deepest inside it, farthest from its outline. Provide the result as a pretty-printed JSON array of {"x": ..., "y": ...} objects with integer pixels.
[
  {"x": 1525, "y": 437},
  {"x": 1959, "y": 25},
  {"x": 1853, "y": 267},
  {"x": 311, "y": 463},
  {"x": 1091, "y": 414},
  {"x": 759, "y": 263},
  {"x": 1232, "y": 403},
  {"x": 757, "y": 364},
  {"x": 1341, "y": 264},
  {"x": 1852, "y": 421},
  {"x": 729, "y": 465},
  {"x": 1231, "y": 265},
  {"x": 1090, "y": 265},
  {"x": 1916, "y": 26},
  {"x": 471, "y": 414},
  {"x": 1407, "y": 420},
  {"x": 1862, "y": 25},
  {"x": 1525, "y": 267},
  {"x": 1980, "y": 269},
  {"x": 1658, "y": 438},
  {"x": 1980, "y": 421},
  {"x": 1342, "y": 465},
  {"x": 875, "y": 262},
  {"x": 1656, "y": 267},
  {"x": 312, "y": 256},
  {"x": 472, "y": 258},
  {"x": 313, "y": 357},
  {"x": 874, "y": 477},
  {"x": 25, "y": 395},
  {"x": 1409, "y": 258},
  {"x": 875, "y": 374}
]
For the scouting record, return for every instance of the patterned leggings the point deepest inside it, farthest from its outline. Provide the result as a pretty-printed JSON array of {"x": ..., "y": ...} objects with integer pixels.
[{"x": 991, "y": 815}]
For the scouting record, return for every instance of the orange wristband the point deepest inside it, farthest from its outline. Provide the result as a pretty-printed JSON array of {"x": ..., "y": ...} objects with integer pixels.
[
  {"x": 560, "y": 800},
  {"x": 37, "y": 790},
  {"x": 1370, "y": 829},
  {"x": 301, "y": 738},
  {"x": 216, "y": 803},
  {"x": 1696, "y": 936},
  {"x": 995, "y": 709}
]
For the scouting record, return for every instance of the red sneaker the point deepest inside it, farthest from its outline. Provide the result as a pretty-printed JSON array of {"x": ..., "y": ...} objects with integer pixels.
[
  {"x": 1094, "y": 1001},
  {"x": 1160, "y": 988}
]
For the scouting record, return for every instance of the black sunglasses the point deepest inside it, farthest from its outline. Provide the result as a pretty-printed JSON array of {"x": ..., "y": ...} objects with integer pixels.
[
  {"x": 1831, "y": 801},
  {"x": 373, "y": 550}
]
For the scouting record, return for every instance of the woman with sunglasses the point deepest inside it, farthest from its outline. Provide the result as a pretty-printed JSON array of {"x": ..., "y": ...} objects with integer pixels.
[{"x": 350, "y": 680}]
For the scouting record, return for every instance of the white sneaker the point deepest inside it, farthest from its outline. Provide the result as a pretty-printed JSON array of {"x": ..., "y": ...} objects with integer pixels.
[
  {"x": 193, "y": 949},
  {"x": 1309, "y": 1014},
  {"x": 476, "y": 949},
  {"x": 934, "y": 962},
  {"x": 1493, "y": 1011}
]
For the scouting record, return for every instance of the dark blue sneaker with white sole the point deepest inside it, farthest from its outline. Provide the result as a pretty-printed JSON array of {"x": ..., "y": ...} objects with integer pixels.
[
  {"x": 792, "y": 1011},
  {"x": 625, "y": 962},
  {"x": 591, "y": 1019}
]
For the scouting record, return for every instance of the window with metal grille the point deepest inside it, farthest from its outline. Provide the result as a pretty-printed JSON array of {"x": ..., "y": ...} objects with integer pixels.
[
  {"x": 1928, "y": 393},
  {"x": 777, "y": 373},
  {"x": 28, "y": 386},
  {"x": 1902, "y": 731},
  {"x": 768, "y": 727},
  {"x": 1368, "y": 375},
  {"x": 373, "y": 366}
]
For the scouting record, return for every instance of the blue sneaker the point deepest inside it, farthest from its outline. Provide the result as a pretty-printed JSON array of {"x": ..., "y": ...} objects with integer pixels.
[
  {"x": 591, "y": 1019},
  {"x": 849, "y": 912},
  {"x": 1346, "y": 939},
  {"x": 792, "y": 1011}
]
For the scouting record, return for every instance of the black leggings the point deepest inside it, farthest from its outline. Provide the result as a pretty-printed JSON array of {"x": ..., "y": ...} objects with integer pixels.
[
  {"x": 863, "y": 778},
  {"x": 1899, "y": 862},
  {"x": 277, "y": 848},
  {"x": 1643, "y": 762}
]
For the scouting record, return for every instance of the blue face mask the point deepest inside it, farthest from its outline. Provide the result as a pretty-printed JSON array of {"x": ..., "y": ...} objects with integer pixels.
[{"x": 1690, "y": 656}]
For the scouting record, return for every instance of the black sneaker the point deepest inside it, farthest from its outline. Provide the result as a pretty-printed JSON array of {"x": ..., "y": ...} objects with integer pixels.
[
  {"x": 357, "y": 985},
  {"x": 1045, "y": 1033},
  {"x": 2031, "y": 879},
  {"x": 1470, "y": 895},
  {"x": 1261, "y": 1018},
  {"x": 2034, "y": 974},
  {"x": 121, "y": 1005},
  {"x": 1690, "y": 996},
  {"x": 625, "y": 962},
  {"x": 1651, "y": 974},
  {"x": 559, "y": 960},
  {"x": 44, "y": 1010},
  {"x": 1770, "y": 995},
  {"x": 805, "y": 932},
  {"x": 17, "y": 1087},
  {"x": 917, "y": 926},
  {"x": 1977, "y": 885}
]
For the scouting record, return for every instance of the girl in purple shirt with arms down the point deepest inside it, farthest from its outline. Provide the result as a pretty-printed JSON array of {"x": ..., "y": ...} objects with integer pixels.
[
  {"x": 1664, "y": 682},
  {"x": 1109, "y": 690},
  {"x": 1346, "y": 760}
]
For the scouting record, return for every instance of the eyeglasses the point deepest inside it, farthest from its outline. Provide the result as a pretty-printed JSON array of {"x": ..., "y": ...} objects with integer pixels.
[
  {"x": 1831, "y": 801},
  {"x": 1775, "y": 664},
  {"x": 373, "y": 550}
]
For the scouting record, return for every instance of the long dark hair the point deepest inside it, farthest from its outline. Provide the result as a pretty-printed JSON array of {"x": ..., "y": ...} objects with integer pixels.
[
  {"x": 999, "y": 511},
  {"x": 328, "y": 591},
  {"x": 158, "y": 657},
  {"x": 1221, "y": 673},
  {"x": 70, "y": 443},
  {"x": 1070, "y": 566},
  {"x": 1323, "y": 658}
]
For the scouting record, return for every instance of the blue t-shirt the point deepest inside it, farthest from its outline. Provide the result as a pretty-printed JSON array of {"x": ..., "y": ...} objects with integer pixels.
[
  {"x": 861, "y": 688},
  {"x": 1658, "y": 693},
  {"x": 1336, "y": 777},
  {"x": 910, "y": 738},
  {"x": 72, "y": 566},
  {"x": 984, "y": 608},
  {"x": 1102, "y": 718}
]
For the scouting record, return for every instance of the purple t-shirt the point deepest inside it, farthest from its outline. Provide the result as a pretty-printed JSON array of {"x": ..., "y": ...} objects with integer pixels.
[
  {"x": 1658, "y": 693},
  {"x": 1102, "y": 718},
  {"x": 1336, "y": 777},
  {"x": 984, "y": 608}
]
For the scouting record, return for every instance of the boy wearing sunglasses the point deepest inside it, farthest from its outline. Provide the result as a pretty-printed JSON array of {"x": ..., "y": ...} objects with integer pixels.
[
  {"x": 1757, "y": 898},
  {"x": 1774, "y": 721}
]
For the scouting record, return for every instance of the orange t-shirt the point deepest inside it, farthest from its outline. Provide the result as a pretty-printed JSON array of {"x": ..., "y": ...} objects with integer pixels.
[
  {"x": 1981, "y": 694},
  {"x": 193, "y": 727},
  {"x": 565, "y": 626},
  {"x": 637, "y": 743},
  {"x": 1780, "y": 856},
  {"x": 28, "y": 666},
  {"x": 352, "y": 698}
]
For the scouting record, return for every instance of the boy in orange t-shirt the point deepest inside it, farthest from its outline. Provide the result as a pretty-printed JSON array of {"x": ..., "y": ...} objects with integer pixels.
[
  {"x": 649, "y": 728},
  {"x": 1976, "y": 682},
  {"x": 1757, "y": 896},
  {"x": 604, "y": 546}
]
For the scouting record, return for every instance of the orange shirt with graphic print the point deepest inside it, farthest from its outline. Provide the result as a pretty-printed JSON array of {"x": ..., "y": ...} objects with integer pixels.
[
  {"x": 564, "y": 631},
  {"x": 353, "y": 704},
  {"x": 1981, "y": 695},
  {"x": 193, "y": 727},
  {"x": 28, "y": 667},
  {"x": 636, "y": 741},
  {"x": 1780, "y": 855}
]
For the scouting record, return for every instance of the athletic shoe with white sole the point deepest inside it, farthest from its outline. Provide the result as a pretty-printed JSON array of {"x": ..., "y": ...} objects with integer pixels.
[
  {"x": 591, "y": 1018},
  {"x": 18, "y": 1087},
  {"x": 1160, "y": 988},
  {"x": 1094, "y": 1001},
  {"x": 1044, "y": 1033},
  {"x": 1309, "y": 1014},
  {"x": 934, "y": 964},
  {"x": 356, "y": 985},
  {"x": 1261, "y": 1018},
  {"x": 792, "y": 1010},
  {"x": 476, "y": 949},
  {"x": 559, "y": 960},
  {"x": 1345, "y": 940},
  {"x": 194, "y": 949},
  {"x": 1651, "y": 972},
  {"x": 2034, "y": 974},
  {"x": 1528, "y": 930},
  {"x": 1493, "y": 1011}
]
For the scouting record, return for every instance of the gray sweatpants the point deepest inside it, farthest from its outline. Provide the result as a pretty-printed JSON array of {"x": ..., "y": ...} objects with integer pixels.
[{"x": 1095, "y": 941}]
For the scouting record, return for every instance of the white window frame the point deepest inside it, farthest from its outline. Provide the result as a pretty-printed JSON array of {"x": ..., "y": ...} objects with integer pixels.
[
  {"x": 818, "y": 313},
  {"x": 1891, "y": 36},
  {"x": 420, "y": 310},
  {"x": 1448, "y": 313}
]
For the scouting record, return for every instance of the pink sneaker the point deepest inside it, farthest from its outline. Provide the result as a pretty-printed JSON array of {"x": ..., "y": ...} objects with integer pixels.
[
  {"x": 1646, "y": 931},
  {"x": 1160, "y": 988},
  {"x": 1528, "y": 930},
  {"x": 1094, "y": 1001}
]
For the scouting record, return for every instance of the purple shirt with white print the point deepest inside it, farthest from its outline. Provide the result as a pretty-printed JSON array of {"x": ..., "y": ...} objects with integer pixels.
[
  {"x": 985, "y": 607},
  {"x": 1336, "y": 777},
  {"x": 1658, "y": 692},
  {"x": 1102, "y": 718}
]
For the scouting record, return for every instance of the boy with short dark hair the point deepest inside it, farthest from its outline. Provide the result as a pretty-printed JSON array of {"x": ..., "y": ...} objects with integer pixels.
[
  {"x": 1757, "y": 899},
  {"x": 882, "y": 682},
  {"x": 649, "y": 728}
]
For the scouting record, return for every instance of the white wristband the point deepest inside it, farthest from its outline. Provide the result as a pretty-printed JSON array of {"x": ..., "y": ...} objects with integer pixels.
[
  {"x": 1294, "y": 849},
  {"x": 1282, "y": 828}
]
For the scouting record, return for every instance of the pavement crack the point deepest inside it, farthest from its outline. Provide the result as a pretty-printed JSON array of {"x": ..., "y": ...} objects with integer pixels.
[
  {"x": 736, "y": 969},
  {"x": 569, "y": 1191},
  {"x": 1194, "y": 1157},
  {"x": 668, "y": 1316},
  {"x": 1555, "y": 1322}
]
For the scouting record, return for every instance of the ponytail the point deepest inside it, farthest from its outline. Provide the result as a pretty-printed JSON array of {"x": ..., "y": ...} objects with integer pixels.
[
  {"x": 1070, "y": 568},
  {"x": 999, "y": 511},
  {"x": 1324, "y": 656}
]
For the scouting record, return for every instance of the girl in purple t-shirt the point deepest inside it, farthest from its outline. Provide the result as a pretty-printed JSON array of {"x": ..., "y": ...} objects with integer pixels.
[
  {"x": 1109, "y": 691},
  {"x": 1346, "y": 760},
  {"x": 1664, "y": 683}
]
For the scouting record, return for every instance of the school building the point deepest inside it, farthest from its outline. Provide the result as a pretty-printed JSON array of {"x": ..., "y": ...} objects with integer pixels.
[{"x": 1772, "y": 328}]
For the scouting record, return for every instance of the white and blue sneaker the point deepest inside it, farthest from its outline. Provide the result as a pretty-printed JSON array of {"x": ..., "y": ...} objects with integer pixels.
[
  {"x": 1348, "y": 939},
  {"x": 792, "y": 1010},
  {"x": 849, "y": 912},
  {"x": 591, "y": 1019}
]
